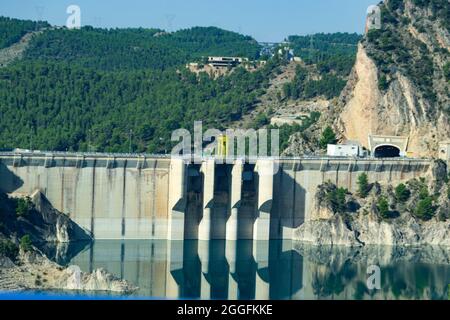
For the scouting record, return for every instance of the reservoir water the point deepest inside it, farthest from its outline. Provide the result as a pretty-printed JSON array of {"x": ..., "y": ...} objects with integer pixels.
[{"x": 267, "y": 270}]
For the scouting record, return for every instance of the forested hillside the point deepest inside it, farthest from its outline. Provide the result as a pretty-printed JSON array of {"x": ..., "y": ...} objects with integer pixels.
[
  {"x": 331, "y": 56},
  {"x": 61, "y": 106},
  {"x": 11, "y": 30},
  {"x": 132, "y": 49},
  {"x": 331, "y": 52},
  {"x": 92, "y": 89}
]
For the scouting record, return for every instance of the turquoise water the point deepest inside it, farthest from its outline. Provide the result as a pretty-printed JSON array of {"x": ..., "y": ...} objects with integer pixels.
[{"x": 266, "y": 270}]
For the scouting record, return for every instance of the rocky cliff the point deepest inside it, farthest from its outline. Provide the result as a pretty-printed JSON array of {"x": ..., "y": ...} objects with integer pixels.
[
  {"x": 399, "y": 84},
  {"x": 417, "y": 213},
  {"x": 34, "y": 216},
  {"x": 30, "y": 268}
]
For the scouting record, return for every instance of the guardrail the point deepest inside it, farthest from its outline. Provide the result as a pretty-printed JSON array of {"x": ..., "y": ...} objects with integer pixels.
[
  {"x": 168, "y": 156},
  {"x": 84, "y": 154}
]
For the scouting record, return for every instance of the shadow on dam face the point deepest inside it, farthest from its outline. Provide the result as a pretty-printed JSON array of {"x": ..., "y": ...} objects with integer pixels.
[
  {"x": 286, "y": 205},
  {"x": 9, "y": 181},
  {"x": 289, "y": 208},
  {"x": 219, "y": 208}
]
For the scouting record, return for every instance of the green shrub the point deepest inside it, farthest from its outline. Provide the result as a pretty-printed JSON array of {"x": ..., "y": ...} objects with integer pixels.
[
  {"x": 383, "y": 83},
  {"x": 8, "y": 249},
  {"x": 384, "y": 211},
  {"x": 402, "y": 193},
  {"x": 25, "y": 243},
  {"x": 425, "y": 209},
  {"x": 447, "y": 71},
  {"x": 383, "y": 207},
  {"x": 363, "y": 185},
  {"x": 337, "y": 200},
  {"x": 423, "y": 192},
  {"x": 24, "y": 207},
  {"x": 373, "y": 35},
  {"x": 328, "y": 137},
  {"x": 260, "y": 121},
  {"x": 287, "y": 131}
]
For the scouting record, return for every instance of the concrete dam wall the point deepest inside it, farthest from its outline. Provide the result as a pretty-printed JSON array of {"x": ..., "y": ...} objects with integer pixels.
[{"x": 137, "y": 197}]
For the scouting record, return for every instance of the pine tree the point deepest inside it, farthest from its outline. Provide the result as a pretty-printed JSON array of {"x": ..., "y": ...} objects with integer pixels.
[{"x": 328, "y": 137}]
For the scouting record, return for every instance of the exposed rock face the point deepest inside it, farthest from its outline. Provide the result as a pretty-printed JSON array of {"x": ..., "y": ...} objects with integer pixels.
[
  {"x": 368, "y": 230},
  {"x": 307, "y": 142},
  {"x": 34, "y": 271},
  {"x": 360, "y": 117},
  {"x": 333, "y": 232},
  {"x": 99, "y": 280},
  {"x": 46, "y": 224},
  {"x": 16, "y": 51},
  {"x": 303, "y": 143},
  {"x": 6, "y": 262},
  {"x": 408, "y": 54},
  {"x": 360, "y": 221}
]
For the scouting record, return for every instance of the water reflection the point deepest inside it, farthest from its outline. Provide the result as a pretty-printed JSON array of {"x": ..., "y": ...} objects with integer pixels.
[{"x": 269, "y": 270}]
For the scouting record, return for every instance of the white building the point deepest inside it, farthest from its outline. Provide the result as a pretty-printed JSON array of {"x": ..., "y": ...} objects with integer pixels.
[
  {"x": 345, "y": 150},
  {"x": 225, "y": 62}
]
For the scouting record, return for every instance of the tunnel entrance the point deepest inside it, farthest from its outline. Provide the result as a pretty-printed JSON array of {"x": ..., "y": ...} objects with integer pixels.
[{"x": 387, "y": 152}]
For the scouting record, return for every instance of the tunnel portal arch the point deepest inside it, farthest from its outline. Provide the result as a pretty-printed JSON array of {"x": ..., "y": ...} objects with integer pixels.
[
  {"x": 388, "y": 146},
  {"x": 387, "y": 151}
]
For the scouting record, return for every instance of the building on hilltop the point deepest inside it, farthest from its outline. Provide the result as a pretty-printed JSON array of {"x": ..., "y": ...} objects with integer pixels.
[
  {"x": 225, "y": 62},
  {"x": 219, "y": 66}
]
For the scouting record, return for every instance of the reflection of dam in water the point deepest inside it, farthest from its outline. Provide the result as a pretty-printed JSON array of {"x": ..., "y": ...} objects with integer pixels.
[
  {"x": 200, "y": 269},
  {"x": 269, "y": 270},
  {"x": 139, "y": 197}
]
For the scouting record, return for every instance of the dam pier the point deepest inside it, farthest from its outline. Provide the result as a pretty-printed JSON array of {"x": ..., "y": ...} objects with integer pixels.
[{"x": 120, "y": 197}]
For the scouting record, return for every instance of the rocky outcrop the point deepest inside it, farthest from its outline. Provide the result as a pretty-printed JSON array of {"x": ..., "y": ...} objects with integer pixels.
[
  {"x": 333, "y": 232},
  {"x": 42, "y": 222},
  {"x": 98, "y": 280},
  {"x": 16, "y": 51},
  {"x": 352, "y": 220},
  {"x": 60, "y": 228},
  {"x": 368, "y": 230},
  {"x": 34, "y": 271},
  {"x": 398, "y": 86}
]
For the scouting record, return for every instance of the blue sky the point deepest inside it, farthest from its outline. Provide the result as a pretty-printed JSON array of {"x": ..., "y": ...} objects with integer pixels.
[{"x": 265, "y": 20}]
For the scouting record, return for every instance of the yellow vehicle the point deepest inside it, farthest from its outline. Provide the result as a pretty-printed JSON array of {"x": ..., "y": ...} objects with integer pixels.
[{"x": 222, "y": 146}]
